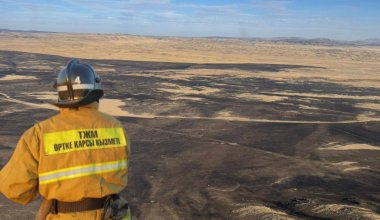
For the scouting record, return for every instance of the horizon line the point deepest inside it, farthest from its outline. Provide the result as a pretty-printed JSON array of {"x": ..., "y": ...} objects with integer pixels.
[{"x": 277, "y": 38}]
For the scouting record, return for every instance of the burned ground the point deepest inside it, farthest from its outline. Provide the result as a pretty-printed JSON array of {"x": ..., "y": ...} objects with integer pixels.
[{"x": 221, "y": 146}]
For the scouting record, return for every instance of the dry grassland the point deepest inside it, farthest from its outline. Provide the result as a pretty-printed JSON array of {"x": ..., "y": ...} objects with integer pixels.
[{"x": 357, "y": 66}]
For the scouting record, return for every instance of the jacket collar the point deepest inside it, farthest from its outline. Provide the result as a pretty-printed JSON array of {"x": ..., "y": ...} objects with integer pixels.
[{"x": 93, "y": 106}]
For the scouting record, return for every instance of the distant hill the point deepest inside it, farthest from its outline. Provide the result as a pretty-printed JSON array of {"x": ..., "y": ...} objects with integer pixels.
[
  {"x": 28, "y": 31},
  {"x": 307, "y": 41},
  {"x": 291, "y": 40},
  {"x": 327, "y": 42}
]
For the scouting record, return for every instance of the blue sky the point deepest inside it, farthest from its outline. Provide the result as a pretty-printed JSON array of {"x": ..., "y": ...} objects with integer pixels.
[{"x": 336, "y": 19}]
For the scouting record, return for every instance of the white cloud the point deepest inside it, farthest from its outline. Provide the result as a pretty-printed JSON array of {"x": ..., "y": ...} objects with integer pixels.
[
  {"x": 272, "y": 6},
  {"x": 250, "y": 18},
  {"x": 147, "y": 2}
]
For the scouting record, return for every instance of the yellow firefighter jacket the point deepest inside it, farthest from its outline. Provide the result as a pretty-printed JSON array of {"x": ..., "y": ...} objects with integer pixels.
[{"x": 76, "y": 154}]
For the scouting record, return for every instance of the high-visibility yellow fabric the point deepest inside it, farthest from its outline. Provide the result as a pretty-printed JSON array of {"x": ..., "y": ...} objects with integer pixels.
[
  {"x": 79, "y": 171},
  {"x": 76, "y": 140},
  {"x": 62, "y": 173}
]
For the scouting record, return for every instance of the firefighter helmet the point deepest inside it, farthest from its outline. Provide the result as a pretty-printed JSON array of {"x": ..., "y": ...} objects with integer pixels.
[{"x": 78, "y": 84}]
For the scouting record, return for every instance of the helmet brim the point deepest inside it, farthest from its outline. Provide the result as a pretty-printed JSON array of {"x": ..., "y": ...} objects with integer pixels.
[{"x": 93, "y": 96}]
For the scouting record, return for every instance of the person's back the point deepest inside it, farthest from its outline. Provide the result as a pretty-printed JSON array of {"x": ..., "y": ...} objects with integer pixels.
[
  {"x": 77, "y": 144},
  {"x": 78, "y": 159}
]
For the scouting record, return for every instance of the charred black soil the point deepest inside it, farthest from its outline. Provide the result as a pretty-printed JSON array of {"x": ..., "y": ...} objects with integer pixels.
[{"x": 221, "y": 154}]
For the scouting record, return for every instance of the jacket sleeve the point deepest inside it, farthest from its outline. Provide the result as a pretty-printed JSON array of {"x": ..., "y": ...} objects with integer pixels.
[{"x": 19, "y": 177}]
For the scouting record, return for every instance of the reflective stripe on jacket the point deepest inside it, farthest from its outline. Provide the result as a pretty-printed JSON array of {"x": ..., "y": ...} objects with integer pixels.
[{"x": 76, "y": 154}]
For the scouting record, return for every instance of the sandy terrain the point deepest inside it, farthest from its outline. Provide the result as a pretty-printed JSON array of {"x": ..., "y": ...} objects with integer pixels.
[
  {"x": 261, "y": 211},
  {"x": 220, "y": 128},
  {"x": 264, "y": 98},
  {"x": 351, "y": 147},
  {"x": 15, "y": 77}
]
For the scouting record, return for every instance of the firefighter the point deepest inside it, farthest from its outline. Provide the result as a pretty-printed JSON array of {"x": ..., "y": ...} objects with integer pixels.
[{"x": 76, "y": 160}]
